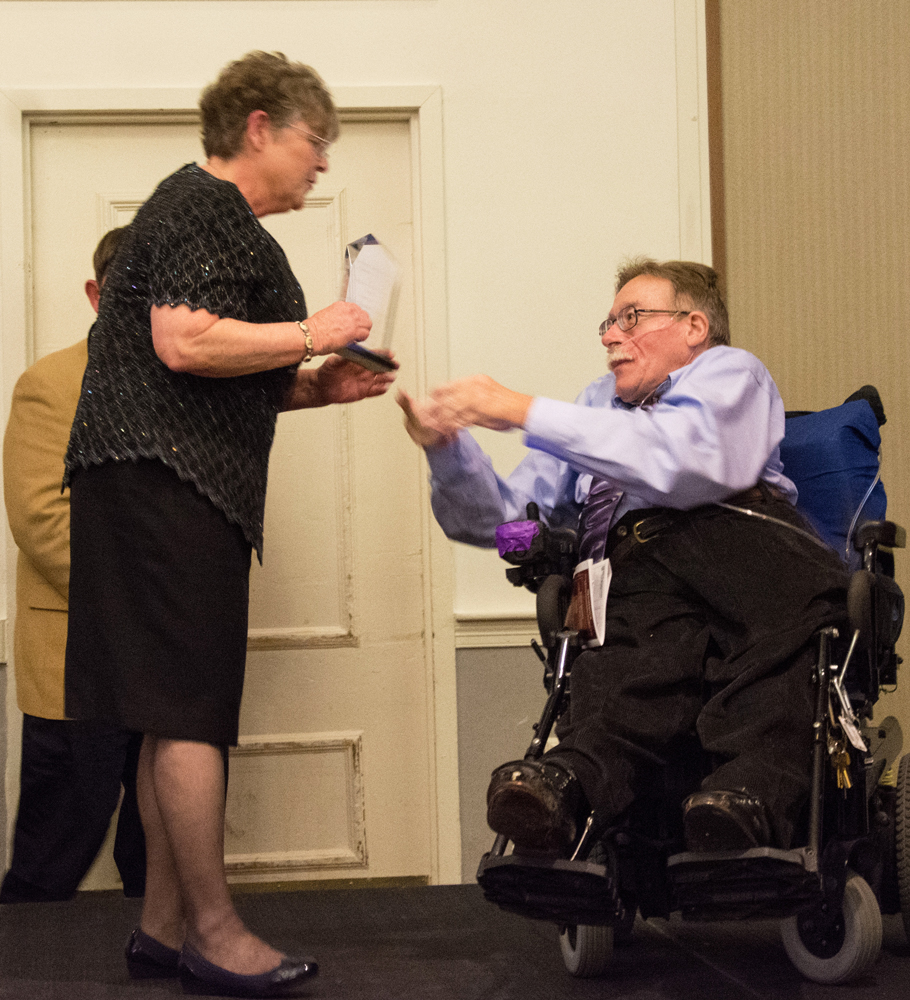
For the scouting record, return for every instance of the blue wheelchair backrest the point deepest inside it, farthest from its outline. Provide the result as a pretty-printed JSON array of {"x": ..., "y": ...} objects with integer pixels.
[{"x": 833, "y": 458}]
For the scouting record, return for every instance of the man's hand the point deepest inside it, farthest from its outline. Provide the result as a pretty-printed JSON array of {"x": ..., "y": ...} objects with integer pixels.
[
  {"x": 337, "y": 326},
  {"x": 478, "y": 401},
  {"x": 419, "y": 422}
]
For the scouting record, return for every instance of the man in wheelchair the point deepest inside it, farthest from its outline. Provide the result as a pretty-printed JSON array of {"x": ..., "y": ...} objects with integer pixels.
[{"x": 710, "y": 615}]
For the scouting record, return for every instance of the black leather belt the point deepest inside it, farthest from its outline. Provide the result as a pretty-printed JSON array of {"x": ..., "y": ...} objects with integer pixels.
[{"x": 638, "y": 527}]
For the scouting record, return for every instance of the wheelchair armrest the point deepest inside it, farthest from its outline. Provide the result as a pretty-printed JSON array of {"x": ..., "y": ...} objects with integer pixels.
[
  {"x": 880, "y": 533},
  {"x": 553, "y": 599},
  {"x": 875, "y": 607},
  {"x": 860, "y": 606}
]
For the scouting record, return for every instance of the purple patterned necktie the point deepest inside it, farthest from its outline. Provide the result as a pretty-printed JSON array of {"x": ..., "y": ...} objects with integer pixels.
[{"x": 596, "y": 518}]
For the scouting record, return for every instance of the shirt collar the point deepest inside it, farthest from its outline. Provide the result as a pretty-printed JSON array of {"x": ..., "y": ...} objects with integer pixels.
[{"x": 655, "y": 397}]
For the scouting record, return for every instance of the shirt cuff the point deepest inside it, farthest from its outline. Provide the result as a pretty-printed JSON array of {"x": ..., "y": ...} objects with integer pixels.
[{"x": 450, "y": 462}]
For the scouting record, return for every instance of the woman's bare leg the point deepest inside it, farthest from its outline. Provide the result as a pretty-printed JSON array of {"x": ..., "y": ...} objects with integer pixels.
[{"x": 188, "y": 782}]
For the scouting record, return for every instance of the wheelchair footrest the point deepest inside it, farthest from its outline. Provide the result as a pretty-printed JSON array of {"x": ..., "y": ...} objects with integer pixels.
[
  {"x": 762, "y": 882},
  {"x": 558, "y": 890}
]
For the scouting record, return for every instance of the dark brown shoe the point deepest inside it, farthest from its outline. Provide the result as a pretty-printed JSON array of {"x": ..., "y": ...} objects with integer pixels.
[
  {"x": 725, "y": 821},
  {"x": 535, "y": 805}
]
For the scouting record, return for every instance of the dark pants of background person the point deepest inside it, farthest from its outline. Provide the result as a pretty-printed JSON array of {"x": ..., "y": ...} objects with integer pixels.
[
  {"x": 709, "y": 630},
  {"x": 71, "y": 777}
]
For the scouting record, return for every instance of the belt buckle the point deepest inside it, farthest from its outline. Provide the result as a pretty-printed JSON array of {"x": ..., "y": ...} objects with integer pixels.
[{"x": 637, "y": 535}]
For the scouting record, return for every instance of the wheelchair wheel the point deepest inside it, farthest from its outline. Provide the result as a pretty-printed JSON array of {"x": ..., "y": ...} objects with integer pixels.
[
  {"x": 586, "y": 949},
  {"x": 835, "y": 947},
  {"x": 902, "y": 839}
]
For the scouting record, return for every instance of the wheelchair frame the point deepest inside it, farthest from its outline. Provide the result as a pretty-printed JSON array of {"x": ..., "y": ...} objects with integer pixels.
[{"x": 830, "y": 893}]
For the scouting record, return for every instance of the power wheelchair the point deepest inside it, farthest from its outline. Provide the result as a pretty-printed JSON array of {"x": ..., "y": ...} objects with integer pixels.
[{"x": 854, "y": 862}]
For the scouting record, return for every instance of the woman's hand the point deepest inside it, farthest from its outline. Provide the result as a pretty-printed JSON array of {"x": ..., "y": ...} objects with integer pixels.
[
  {"x": 201, "y": 343},
  {"x": 337, "y": 381},
  {"x": 337, "y": 326},
  {"x": 340, "y": 381}
]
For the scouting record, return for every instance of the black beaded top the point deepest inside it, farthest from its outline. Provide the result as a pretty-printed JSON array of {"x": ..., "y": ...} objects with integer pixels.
[{"x": 195, "y": 241}]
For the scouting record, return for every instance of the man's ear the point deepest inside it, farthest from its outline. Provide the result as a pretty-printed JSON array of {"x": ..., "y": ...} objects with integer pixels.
[
  {"x": 698, "y": 332},
  {"x": 93, "y": 292}
]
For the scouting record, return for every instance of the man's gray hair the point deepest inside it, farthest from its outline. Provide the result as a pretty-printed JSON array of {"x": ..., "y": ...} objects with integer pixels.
[{"x": 695, "y": 285}]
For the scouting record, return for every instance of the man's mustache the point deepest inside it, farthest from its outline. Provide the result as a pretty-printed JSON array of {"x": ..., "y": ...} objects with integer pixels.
[{"x": 617, "y": 352}]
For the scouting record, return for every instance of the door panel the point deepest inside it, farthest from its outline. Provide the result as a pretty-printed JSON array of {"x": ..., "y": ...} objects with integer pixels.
[{"x": 333, "y": 771}]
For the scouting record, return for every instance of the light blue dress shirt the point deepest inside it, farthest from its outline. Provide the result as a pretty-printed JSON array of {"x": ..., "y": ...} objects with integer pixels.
[{"x": 714, "y": 431}]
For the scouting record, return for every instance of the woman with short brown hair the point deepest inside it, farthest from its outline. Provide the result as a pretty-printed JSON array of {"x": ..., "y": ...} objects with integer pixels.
[{"x": 202, "y": 338}]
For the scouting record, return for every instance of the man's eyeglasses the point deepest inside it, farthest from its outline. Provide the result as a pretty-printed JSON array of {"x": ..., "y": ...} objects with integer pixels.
[
  {"x": 630, "y": 316},
  {"x": 322, "y": 146}
]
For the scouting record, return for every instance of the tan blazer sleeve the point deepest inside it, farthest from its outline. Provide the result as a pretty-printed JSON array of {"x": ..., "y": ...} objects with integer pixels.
[{"x": 44, "y": 402}]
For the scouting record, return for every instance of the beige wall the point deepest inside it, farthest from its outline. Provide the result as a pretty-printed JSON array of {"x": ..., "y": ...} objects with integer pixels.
[{"x": 816, "y": 133}]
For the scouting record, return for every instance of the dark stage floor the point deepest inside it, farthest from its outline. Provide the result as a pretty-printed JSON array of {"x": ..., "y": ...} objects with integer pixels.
[{"x": 437, "y": 943}]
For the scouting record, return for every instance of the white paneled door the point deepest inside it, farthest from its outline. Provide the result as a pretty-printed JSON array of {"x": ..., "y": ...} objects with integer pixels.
[{"x": 333, "y": 776}]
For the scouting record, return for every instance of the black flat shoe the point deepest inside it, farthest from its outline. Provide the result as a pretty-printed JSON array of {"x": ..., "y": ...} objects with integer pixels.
[
  {"x": 147, "y": 958},
  {"x": 201, "y": 978},
  {"x": 725, "y": 821},
  {"x": 535, "y": 804}
]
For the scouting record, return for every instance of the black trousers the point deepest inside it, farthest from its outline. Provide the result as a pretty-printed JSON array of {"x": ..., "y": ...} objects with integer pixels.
[
  {"x": 71, "y": 777},
  {"x": 709, "y": 629}
]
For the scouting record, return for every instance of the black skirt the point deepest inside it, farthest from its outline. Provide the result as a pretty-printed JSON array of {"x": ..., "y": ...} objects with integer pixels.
[{"x": 158, "y": 605}]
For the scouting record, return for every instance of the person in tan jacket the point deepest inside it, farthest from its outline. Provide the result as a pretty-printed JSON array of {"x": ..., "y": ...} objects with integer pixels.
[{"x": 71, "y": 771}]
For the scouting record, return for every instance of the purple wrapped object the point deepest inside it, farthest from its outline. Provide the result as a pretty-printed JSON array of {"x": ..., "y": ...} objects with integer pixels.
[{"x": 516, "y": 536}]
